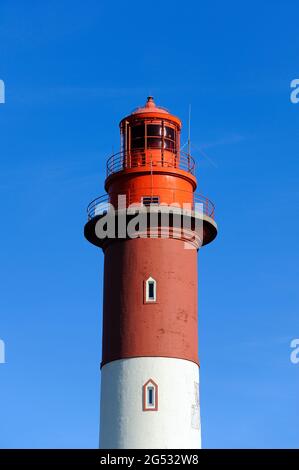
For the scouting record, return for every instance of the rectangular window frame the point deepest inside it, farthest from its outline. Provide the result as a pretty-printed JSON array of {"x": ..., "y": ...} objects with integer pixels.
[
  {"x": 146, "y": 405},
  {"x": 148, "y": 201},
  {"x": 147, "y": 298}
]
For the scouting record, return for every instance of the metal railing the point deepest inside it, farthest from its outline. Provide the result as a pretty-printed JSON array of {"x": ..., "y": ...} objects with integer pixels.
[
  {"x": 98, "y": 206},
  {"x": 102, "y": 204},
  {"x": 159, "y": 158},
  {"x": 208, "y": 206}
]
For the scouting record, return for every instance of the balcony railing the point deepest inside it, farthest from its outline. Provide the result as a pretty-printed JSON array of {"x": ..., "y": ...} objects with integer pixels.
[
  {"x": 102, "y": 204},
  {"x": 159, "y": 158}
]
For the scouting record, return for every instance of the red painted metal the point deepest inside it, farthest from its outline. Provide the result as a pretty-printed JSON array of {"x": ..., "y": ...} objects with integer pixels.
[
  {"x": 165, "y": 328},
  {"x": 131, "y": 159},
  {"x": 101, "y": 204}
]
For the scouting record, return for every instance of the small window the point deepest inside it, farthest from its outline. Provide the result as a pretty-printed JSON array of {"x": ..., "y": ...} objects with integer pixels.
[
  {"x": 169, "y": 133},
  {"x": 154, "y": 136},
  {"x": 150, "y": 396},
  {"x": 137, "y": 136},
  {"x": 150, "y": 200},
  {"x": 151, "y": 290},
  {"x": 154, "y": 130},
  {"x": 137, "y": 131},
  {"x": 168, "y": 144},
  {"x": 154, "y": 143}
]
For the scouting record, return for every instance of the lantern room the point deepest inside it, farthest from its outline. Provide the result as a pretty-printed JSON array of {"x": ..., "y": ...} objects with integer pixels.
[
  {"x": 143, "y": 131},
  {"x": 150, "y": 167},
  {"x": 150, "y": 136}
]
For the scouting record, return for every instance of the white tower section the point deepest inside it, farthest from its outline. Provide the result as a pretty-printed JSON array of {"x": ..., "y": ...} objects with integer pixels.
[{"x": 150, "y": 403}]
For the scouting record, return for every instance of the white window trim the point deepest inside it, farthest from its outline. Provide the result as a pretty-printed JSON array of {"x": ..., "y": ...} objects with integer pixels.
[
  {"x": 147, "y": 406},
  {"x": 149, "y": 281}
]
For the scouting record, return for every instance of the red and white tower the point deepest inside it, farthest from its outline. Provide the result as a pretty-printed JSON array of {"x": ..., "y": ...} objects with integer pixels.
[{"x": 150, "y": 366}]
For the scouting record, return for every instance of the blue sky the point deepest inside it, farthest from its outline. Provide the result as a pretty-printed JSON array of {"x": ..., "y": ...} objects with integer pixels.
[{"x": 72, "y": 70}]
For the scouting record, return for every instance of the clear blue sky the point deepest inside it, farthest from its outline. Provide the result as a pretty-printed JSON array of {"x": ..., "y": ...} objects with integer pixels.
[{"x": 72, "y": 70}]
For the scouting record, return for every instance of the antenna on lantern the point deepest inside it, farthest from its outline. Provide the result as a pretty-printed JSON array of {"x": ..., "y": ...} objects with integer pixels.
[{"x": 189, "y": 130}]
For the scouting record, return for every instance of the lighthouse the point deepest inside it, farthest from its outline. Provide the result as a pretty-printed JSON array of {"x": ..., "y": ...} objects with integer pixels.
[{"x": 150, "y": 224}]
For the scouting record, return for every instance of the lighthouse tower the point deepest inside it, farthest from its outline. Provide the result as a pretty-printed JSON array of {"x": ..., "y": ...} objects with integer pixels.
[{"x": 150, "y": 365}]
